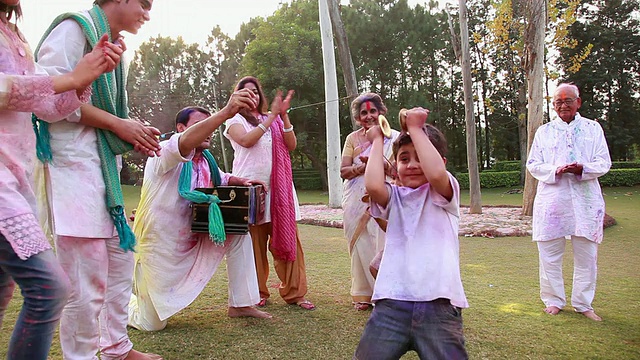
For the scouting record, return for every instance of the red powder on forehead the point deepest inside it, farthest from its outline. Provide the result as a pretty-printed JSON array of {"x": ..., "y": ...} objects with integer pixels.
[{"x": 368, "y": 106}]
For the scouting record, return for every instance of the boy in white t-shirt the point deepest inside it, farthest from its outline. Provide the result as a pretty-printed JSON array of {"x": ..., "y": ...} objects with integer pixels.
[{"x": 418, "y": 293}]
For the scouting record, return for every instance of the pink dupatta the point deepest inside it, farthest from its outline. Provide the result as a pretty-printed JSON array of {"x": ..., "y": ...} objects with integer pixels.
[{"x": 283, "y": 213}]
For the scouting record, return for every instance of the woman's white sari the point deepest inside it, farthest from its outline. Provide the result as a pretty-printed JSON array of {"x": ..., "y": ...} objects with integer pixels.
[{"x": 364, "y": 237}]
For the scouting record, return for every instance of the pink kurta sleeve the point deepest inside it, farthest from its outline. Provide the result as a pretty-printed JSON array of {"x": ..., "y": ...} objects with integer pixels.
[
  {"x": 35, "y": 94},
  {"x": 26, "y": 87}
]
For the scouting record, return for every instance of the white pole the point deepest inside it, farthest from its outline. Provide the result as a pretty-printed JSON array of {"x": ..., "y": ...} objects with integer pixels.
[{"x": 331, "y": 107}]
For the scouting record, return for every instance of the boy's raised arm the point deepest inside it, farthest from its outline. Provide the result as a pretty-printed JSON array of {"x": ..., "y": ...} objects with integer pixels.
[
  {"x": 374, "y": 178},
  {"x": 432, "y": 163}
]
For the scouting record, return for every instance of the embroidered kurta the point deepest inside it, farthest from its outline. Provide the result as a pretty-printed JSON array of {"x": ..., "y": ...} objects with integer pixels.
[
  {"x": 568, "y": 204},
  {"x": 23, "y": 89},
  {"x": 174, "y": 263},
  {"x": 75, "y": 171}
]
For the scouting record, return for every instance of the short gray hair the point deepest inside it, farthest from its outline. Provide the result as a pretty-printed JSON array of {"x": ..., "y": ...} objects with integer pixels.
[
  {"x": 572, "y": 86},
  {"x": 373, "y": 97}
]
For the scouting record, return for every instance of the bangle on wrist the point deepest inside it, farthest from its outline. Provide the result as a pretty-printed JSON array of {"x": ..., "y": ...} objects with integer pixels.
[
  {"x": 262, "y": 127},
  {"x": 289, "y": 129}
]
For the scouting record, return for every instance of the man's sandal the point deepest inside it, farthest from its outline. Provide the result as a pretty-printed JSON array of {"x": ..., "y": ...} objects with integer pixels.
[{"x": 306, "y": 304}]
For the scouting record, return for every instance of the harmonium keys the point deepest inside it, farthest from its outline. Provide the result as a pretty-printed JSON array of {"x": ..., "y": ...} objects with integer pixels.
[{"x": 240, "y": 206}]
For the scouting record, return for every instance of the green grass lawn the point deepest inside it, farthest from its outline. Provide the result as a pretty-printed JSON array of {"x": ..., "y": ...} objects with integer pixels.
[{"x": 505, "y": 320}]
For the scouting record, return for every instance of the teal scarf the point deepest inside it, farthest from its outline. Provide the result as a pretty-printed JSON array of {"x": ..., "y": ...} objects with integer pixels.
[
  {"x": 109, "y": 95},
  {"x": 216, "y": 225}
]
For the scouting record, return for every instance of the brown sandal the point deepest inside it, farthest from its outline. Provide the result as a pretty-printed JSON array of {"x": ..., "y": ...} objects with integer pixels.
[{"x": 306, "y": 304}]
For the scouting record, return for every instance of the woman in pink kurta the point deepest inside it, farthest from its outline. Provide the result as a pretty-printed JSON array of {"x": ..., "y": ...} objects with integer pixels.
[
  {"x": 26, "y": 257},
  {"x": 261, "y": 143}
]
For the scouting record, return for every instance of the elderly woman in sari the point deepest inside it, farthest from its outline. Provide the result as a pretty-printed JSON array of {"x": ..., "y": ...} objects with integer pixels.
[{"x": 364, "y": 237}]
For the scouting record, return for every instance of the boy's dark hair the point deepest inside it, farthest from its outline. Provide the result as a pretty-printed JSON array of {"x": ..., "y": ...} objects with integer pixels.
[
  {"x": 435, "y": 136},
  {"x": 182, "y": 117}
]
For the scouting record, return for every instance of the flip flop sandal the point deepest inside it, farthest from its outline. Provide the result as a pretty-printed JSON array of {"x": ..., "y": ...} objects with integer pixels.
[
  {"x": 306, "y": 304},
  {"x": 262, "y": 302}
]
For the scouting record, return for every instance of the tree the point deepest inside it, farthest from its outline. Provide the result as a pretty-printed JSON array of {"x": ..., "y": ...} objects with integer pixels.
[
  {"x": 344, "y": 54},
  {"x": 506, "y": 46},
  {"x": 534, "y": 66},
  {"x": 286, "y": 54},
  {"x": 166, "y": 75},
  {"x": 472, "y": 158},
  {"x": 163, "y": 78},
  {"x": 609, "y": 76}
]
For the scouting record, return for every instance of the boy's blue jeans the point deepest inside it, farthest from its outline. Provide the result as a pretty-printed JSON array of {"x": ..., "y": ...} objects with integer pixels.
[
  {"x": 45, "y": 289},
  {"x": 432, "y": 328}
]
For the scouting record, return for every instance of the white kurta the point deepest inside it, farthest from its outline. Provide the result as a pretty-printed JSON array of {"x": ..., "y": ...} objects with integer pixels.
[
  {"x": 256, "y": 162},
  {"x": 172, "y": 264},
  {"x": 75, "y": 183},
  {"x": 568, "y": 204}
]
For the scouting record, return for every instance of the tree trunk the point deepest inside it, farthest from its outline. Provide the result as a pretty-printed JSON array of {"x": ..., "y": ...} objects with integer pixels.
[
  {"x": 521, "y": 114},
  {"x": 472, "y": 157},
  {"x": 534, "y": 66},
  {"x": 344, "y": 54}
]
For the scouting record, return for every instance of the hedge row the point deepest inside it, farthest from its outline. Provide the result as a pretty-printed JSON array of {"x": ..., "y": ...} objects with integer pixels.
[
  {"x": 621, "y": 177},
  {"x": 514, "y": 165},
  {"x": 308, "y": 183},
  {"x": 511, "y": 165},
  {"x": 307, "y": 179},
  {"x": 625, "y": 165},
  {"x": 492, "y": 179},
  {"x": 310, "y": 179}
]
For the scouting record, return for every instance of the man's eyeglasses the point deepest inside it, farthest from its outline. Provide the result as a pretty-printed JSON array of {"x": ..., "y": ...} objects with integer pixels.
[{"x": 568, "y": 102}]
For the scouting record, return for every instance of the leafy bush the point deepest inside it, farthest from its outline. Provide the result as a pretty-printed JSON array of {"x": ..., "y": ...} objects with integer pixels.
[
  {"x": 625, "y": 165},
  {"x": 307, "y": 179},
  {"x": 621, "y": 177},
  {"x": 511, "y": 165},
  {"x": 492, "y": 179},
  {"x": 308, "y": 183}
]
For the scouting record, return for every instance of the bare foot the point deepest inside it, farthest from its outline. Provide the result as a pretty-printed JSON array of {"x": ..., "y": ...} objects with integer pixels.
[
  {"x": 137, "y": 355},
  {"x": 247, "y": 311},
  {"x": 552, "y": 310},
  {"x": 591, "y": 315}
]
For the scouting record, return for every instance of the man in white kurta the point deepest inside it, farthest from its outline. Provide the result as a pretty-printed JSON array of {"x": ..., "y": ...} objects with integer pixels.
[
  {"x": 173, "y": 265},
  {"x": 567, "y": 157},
  {"x": 95, "y": 318}
]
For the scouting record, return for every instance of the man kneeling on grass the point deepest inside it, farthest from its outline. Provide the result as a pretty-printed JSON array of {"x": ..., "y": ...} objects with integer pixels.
[{"x": 173, "y": 265}]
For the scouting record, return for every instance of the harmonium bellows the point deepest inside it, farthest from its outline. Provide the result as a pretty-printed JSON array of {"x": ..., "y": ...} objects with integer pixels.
[{"x": 240, "y": 206}]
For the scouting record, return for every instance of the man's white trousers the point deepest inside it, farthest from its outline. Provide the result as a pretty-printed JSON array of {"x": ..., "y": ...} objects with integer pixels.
[{"x": 585, "y": 269}]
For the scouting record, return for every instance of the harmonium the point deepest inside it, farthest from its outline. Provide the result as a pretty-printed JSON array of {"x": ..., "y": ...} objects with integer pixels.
[{"x": 240, "y": 206}]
